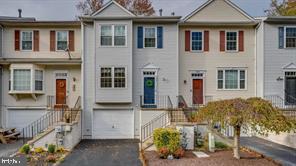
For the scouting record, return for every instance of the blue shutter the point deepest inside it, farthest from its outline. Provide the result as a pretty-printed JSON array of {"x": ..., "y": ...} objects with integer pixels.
[
  {"x": 281, "y": 37},
  {"x": 159, "y": 37},
  {"x": 140, "y": 37}
]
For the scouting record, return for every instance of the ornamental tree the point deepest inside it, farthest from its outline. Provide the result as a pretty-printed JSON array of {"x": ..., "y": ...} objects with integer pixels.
[{"x": 253, "y": 114}]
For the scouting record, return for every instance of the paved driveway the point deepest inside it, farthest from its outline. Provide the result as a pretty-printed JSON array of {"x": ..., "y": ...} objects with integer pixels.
[
  {"x": 104, "y": 153},
  {"x": 8, "y": 149},
  {"x": 280, "y": 153}
]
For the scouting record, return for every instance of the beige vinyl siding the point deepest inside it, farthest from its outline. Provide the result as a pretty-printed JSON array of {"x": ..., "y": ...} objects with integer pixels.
[
  {"x": 44, "y": 44},
  {"x": 214, "y": 59},
  {"x": 225, "y": 13}
]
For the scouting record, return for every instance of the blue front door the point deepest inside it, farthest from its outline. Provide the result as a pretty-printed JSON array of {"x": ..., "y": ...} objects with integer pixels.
[{"x": 149, "y": 92}]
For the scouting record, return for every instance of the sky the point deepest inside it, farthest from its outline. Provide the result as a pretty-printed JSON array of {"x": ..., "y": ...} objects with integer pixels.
[{"x": 66, "y": 10}]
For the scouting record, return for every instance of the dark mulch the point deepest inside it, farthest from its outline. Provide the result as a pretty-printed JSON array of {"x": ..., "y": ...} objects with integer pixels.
[{"x": 220, "y": 158}]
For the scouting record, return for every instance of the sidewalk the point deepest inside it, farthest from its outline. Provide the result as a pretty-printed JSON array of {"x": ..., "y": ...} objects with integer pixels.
[{"x": 282, "y": 154}]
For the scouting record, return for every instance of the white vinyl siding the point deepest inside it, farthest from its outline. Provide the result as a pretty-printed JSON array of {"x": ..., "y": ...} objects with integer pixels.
[
  {"x": 231, "y": 79},
  {"x": 27, "y": 40},
  {"x": 113, "y": 35}
]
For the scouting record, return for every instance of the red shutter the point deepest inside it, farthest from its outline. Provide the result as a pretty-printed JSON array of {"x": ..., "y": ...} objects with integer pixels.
[
  {"x": 241, "y": 41},
  {"x": 222, "y": 40},
  {"x": 36, "y": 41},
  {"x": 206, "y": 41},
  {"x": 187, "y": 40},
  {"x": 71, "y": 41},
  {"x": 52, "y": 40},
  {"x": 16, "y": 40}
]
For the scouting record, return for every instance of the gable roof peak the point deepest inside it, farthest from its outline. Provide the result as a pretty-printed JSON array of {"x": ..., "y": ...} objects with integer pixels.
[
  {"x": 208, "y": 2},
  {"x": 109, "y": 4}
]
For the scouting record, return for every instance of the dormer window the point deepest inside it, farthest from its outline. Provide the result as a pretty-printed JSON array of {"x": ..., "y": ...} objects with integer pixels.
[
  {"x": 62, "y": 40},
  {"x": 27, "y": 40}
]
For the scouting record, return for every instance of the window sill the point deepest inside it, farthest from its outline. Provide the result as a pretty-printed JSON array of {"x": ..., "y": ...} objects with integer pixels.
[
  {"x": 25, "y": 92},
  {"x": 235, "y": 51},
  {"x": 232, "y": 89}
]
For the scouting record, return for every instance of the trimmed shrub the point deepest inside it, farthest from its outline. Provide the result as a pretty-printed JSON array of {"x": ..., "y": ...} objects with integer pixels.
[
  {"x": 51, "y": 148},
  {"x": 25, "y": 149},
  {"x": 165, "y": 137},
  {"x": 220, "y": 145}
]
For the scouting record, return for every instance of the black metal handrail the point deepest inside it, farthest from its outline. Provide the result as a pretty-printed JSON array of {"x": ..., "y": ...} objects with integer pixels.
[
  {"x": 181, "y": 102},
  {"x": 78, "y": 103},
  {"x": 160, "y": 121},
  {"x": 156, "y": 102}
]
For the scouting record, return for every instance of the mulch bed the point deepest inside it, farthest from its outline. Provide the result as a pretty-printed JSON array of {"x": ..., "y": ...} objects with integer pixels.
[{"x": 220, "y": 158}]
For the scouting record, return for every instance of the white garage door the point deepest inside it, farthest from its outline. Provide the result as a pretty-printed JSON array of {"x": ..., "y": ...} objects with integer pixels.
[
  {"x": 21, "y": 118},
  {"x": 113, "y": 124}
]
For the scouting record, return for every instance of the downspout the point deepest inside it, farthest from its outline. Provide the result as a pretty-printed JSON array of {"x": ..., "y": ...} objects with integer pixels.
[
  {"x": 82, "y": 78},
  {"x": 1, "y": 80},
  {"x": 256, "y": 56}
]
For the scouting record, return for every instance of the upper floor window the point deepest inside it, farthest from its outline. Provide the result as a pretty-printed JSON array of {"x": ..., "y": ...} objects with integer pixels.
[
  {"x": 27, "y": 40},
  {"x": 113, "y": 77},
  {"x": 113, "y": 35},
  {"x": 62, "y": 40},
  {"x": 231, "y": 41},
  {"x": 290, "y": 37},
  {"x": 150, "y": 37},
  {"x": 231, "y": 79},
  {"x": 197, "y": 41}
]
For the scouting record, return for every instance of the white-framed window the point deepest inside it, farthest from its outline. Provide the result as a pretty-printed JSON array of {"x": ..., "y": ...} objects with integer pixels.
[
  {"x": 62, "y": 40},
  {"x": 290, "y": 37},
  {"x": 38, "y": 80},
  {"x": 113, "y": 77},
  {"x": 106, "y": 77},
  {"x": 29, "y": 79},
  {"x": 197, "y": 41},
  {"x": 231, "y": 79},
  {"x": 21, "y": 79},
  {"x": 113, "y": 35},
  {"x": 150, "y": 37},
  {"x": 231, "y": 41},
  {"x": 27, "y": 40},
  {"x": 119, "y": 77},
  {"x": 119, "y": 35}
]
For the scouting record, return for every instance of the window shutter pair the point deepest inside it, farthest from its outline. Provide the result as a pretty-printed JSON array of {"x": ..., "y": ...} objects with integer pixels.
[
  {"x": 240, "y": 41},
  {"x": 281, "y": 37},
  {"x": 17, "y": 40},
  {"x": 206, "y": 40},
  {"x": 52, "y": 46},
  {"x": 159, "y": 35}
]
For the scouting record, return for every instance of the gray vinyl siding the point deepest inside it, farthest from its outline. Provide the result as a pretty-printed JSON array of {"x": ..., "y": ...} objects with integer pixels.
[
  {"x": 1, "y": 42},
  {"x": 166, "y": 59},
  {"x": 114, "y": 57},
  {"x": 275, "y": 60},
  {"x": 89, "y": 78}
]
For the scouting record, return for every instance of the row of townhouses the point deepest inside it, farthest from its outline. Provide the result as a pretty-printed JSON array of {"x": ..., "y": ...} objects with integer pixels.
[{"x": 125, "y": 68}]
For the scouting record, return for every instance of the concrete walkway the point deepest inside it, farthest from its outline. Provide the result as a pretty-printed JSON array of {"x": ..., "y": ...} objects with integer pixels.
[
  {"x": 104, "y": 153},
  {"x": 281, "y": 154}
]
